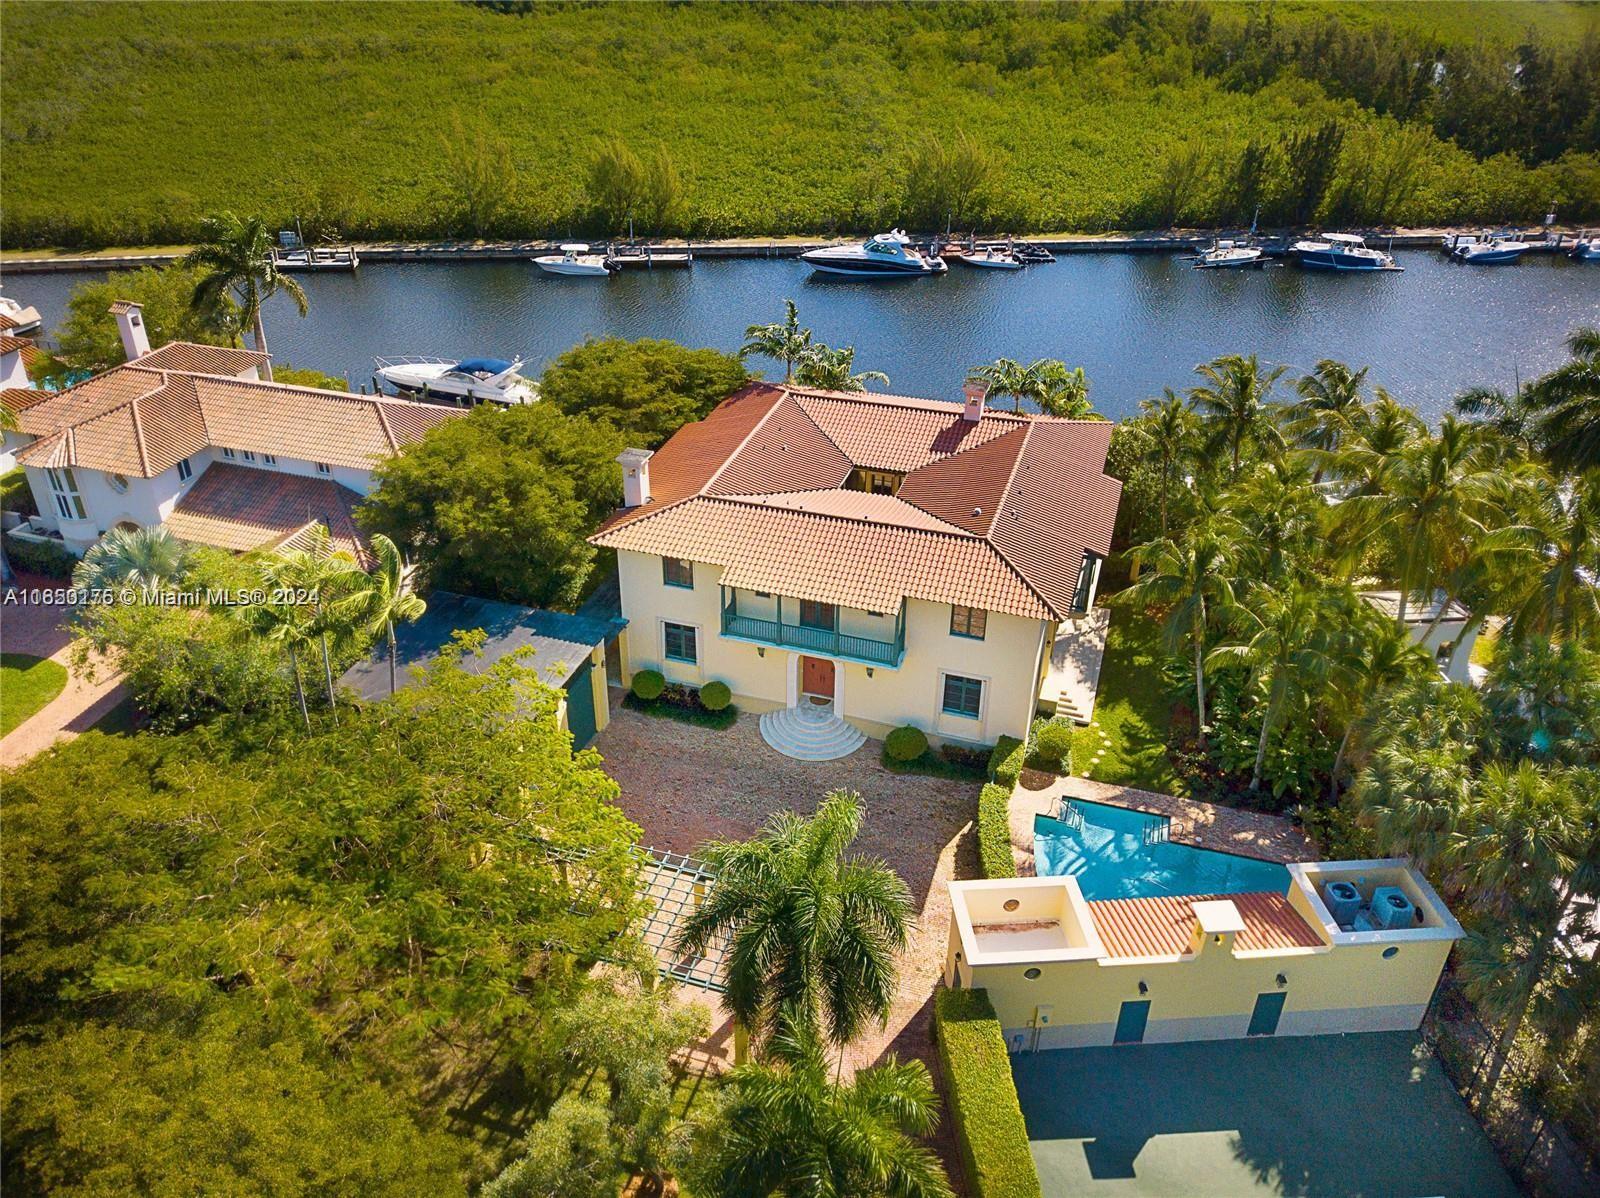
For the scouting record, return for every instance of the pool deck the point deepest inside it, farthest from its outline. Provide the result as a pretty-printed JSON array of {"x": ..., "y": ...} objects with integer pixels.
[{"x": 1204, "y": 825}]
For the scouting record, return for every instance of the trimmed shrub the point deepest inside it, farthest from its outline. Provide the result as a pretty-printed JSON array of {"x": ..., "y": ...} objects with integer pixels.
[
  {"x": 967, "y": 759},
  {"x": 1052, "y": 747},
  {"x": 714, "y": 696},
  {"x": 1005, "y": 763},
  {"x": 990, "y": 1130},
  {"x": 994, "y": 832},
  {"x": 906, "y": 744},
  {"x": 16, "y": 495},
  {"x": 49, "y": 558},
  {"x": 648, "y": 685}
]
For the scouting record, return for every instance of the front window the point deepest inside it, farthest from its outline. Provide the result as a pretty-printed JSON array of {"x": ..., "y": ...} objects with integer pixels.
[
  {"x": 119, "y": 483},
  {"x": 64, "y": 485},
  {"x": 680, "y": 643},
  {"x": 676, "y": 572},
  {"x": 248, "y": 456},
  {"x": 963, "y": 696},
  {"x": 269, "y": 459},
  {"x": 185, "y": 471},
  {"x": 968, "y": 621},
  {"x": 324, "y": 468},
  {"x": 228, "y": 454},
  {"x": 818, "y": 615}
]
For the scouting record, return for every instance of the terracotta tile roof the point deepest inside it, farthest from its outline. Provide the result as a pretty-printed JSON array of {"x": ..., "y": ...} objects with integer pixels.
[
  {"x": 19, "y": 399},
  {"x": 241, "y": 508},
  {"x": 1024, "y": 497},
  {"x": 1163, "y": 926},
  {"x": 136, "y": 420},
  {"x": 7, "y": 323},
  {"x": 201, "y": 359},
  {"x": 13, "y": 345}
]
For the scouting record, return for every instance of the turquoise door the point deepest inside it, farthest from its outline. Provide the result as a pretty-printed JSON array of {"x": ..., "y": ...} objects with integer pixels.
[
  {"x": 580, "y": 706},
  {"x": 1264, "y": 1019},
  {"x": 1131, "y": 1020}
]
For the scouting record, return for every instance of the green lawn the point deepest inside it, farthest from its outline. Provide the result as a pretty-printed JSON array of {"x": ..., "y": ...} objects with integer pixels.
[
  {"x": 26, "y": 684},
  {"x": 1126, "y": 742}
]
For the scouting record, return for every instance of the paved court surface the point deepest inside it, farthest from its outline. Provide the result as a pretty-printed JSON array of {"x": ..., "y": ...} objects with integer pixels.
[{"x": 1358, "y": 1116}]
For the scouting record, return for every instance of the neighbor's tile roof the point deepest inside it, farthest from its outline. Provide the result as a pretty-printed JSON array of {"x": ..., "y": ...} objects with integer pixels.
[
  {"x": 137, "y": 420},
  {"x": 995, "y": 513},
  {"x": 13, "y": 345},
  {"x": 19, "y": 399},
  {"x": 190, "y": 358},
  {"x": 1163, "y": 926},
  {"x": 242, "y": 508}
]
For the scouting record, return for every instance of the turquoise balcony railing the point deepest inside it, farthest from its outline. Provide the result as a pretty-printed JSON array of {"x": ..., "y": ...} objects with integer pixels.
[{"x": 826, "y": 642}]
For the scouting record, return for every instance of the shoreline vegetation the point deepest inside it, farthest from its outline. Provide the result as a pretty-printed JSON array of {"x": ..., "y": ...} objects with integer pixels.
[{"x": 760, "y": 121}]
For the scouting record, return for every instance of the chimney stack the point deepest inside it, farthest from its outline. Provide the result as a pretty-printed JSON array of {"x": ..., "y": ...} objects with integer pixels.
[
  {"x": 130, "y": 323},
  {"x": 975, "y": 392},
  {"x": 635, "y": 476}
]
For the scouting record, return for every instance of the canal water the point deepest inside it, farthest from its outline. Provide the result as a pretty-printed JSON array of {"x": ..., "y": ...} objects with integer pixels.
[{"x": 1136, "y": 322}]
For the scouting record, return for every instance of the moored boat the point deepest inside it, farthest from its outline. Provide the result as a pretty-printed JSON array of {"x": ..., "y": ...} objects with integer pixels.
[
  {"x": 18, "y": 319},
  {"x": 1225, "y": 254},
  {"x": 1488, "y": 251},
  {"x": 886, "y": 256},
  {"x": 317, "y": 257},
  {"x": 1585, "y": 249},
  {"x": 470, "y": 380},
  {"x": 1340, "y": 251},
  {"x": 575, "y": 259},
  {"x": 992, "y": 257}
]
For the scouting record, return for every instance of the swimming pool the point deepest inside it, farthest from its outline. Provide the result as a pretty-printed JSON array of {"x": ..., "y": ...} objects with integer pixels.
[{"x": 1116, "y": 853}]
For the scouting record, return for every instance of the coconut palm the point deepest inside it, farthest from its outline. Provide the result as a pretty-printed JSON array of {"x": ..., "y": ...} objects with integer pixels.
[
  {"x": 1188, "y": 578},
  {"x": 833, "y": 370},
  {"x": 387, "y": 600},
  {"x": 287, "y": 625},
  {"x": 330, "y": 590},
  {"x": 1065, "y": 393},
  {"x": 1509, "y": 416},
  {"x": 235, "y": 257},
  {"x": 783, "y": 1128},
  {"x": 809, "y": 928},
  {"x": 1330, "y": 408},
  {"x": 1233, "y": 404},
  {"x": 1374, "y": 656},
  {"x": 1008, "y": 377},
  {"x": 1568, "y": 402},
  {"x": 785, "y": 341},
  {"x": 1281, "y": 515},
  {"x": 1373, "y": 447},
  {"x": 150, "y": 559},
  {"x": 1555, "y": 593},
  {"x": 1170, "y": 425},
  {"x": 1285, "y": 643}
]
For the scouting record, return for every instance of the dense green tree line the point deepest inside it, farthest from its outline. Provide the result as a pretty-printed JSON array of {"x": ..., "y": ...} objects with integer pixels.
[{"x": 768, "y": 119}]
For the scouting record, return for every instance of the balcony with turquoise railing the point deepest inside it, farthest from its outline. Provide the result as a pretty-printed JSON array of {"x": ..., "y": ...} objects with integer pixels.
[{"x": 807, "y": 638}]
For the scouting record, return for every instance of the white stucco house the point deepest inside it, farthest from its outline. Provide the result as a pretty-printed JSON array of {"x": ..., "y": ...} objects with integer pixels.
[
  {"x": 1447, "y": 632},
  {"x": 849, "y": 562},
  {"x": 188, "y": 436}
]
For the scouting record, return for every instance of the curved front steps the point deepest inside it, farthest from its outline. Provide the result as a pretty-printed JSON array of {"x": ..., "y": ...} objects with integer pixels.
[{"x": 810, "y": 733}]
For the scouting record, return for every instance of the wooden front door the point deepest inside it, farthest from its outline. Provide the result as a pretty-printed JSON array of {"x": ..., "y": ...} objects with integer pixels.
[{"x": 816, "y": 676}]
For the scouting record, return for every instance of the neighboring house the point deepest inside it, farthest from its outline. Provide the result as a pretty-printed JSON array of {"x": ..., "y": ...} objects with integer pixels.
[
  {"x": 1345, "y": 946},
  {"x": 568, "y": 652},
  {"x": 189, "y": 437},
  {"x": 870, "y": 558},
  {"x": 1437, "y": 633}
]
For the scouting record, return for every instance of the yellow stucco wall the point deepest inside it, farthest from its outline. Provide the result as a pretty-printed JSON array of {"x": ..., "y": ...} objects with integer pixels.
[{"x": 1007, "y": 659}]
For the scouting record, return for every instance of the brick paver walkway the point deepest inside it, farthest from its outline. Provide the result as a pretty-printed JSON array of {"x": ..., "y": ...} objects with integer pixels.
[{"x": 39, "y": 630}]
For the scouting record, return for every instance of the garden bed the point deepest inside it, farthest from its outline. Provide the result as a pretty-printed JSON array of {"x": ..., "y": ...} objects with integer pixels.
[{"x": 682, "y": 704}]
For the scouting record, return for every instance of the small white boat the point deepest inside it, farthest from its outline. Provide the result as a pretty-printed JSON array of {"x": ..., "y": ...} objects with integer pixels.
[
  {"x": 575, "y": 259},
  {"x": 470, "y": 380},
  {"x": 1223, "y": 254},
  {"x": 993, "y": 257},
  {"x": 886, "y": 256},
  {"x": 1488, "y": 251},
  {"x": 18, "y": 320},
  {"x": 1584, "y": 249},
  {"x": 1340, "y": 251}
]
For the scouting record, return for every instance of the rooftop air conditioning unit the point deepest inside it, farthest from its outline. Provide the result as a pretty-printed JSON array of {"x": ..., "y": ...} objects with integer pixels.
[
  {"x": 1392, "y": 909},
  {"x": 1343, "y": 901}
]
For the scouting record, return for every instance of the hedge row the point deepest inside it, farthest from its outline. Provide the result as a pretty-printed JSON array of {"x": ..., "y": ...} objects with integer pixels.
[
  {"x": 994, "y": 832},
  {"x": 49, "y": 558},
  {"x": 990, "y": 1130},
  {"x": 1005, "y": 763}
]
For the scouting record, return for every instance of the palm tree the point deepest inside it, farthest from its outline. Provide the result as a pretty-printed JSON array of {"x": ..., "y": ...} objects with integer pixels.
[
  {"x": 147, "y": 558},
  {"x": 236, "y": 258},
  {"x": 809, "y": 929},
  {"x": 329, "y": 589},
  {"x": 1188, "y": 579},
  {"x": 833, "y": 370},
  {"x": 1437, "y": 503},
  {"x": 1373, "y": 447},
  {"x": 1374, "y": 657},
  {"x": 1282, "y": 515},
  {"x": 1034, "y": 381},
  {"x": 786, "y": 341},
  {"x": 1286, "y": 647},
  {"x": 784, "y": 1129},
  {"x": 387, "y": 599},
  {"x": 1509, "y": 417},
  {"x": 1557, "y": 596},
  {"x": 1066, "y": 390},
  {"x": 1170, "y": 425},
  {"x": 1330, "y": 407},
  {"x": 1234, "y": 404},
  {"x": 1568, "y": 402},
  {"x": 280, "y": 623}
]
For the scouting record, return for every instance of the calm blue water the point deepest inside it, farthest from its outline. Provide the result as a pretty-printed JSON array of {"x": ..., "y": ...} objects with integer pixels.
[
  {"x": 1109, "y": 857},
  {"x": 1136, "y": 322}
]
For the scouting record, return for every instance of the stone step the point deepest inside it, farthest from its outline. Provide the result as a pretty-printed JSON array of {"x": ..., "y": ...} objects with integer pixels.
[{"x": 810, "y": 733}]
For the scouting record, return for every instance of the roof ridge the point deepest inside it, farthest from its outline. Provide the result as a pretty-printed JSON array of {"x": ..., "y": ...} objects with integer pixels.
[
  {"x": 901, "y": 401},
  {"x": 388, "y": 433},
  {"x": 705, "y": 487},
  {"x": 954, "y": 530},
  {"x": 1016, "y": 464},
  {"x": 138, "y": 428}
]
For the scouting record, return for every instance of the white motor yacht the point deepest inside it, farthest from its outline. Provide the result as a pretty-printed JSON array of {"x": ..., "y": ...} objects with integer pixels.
[
  {"x": 992, "y": 257},
  {"x": 576, "y": 259},
  {"x": 1340, "y": 251},
  {"x": 1223, "y": 254},
  {"x": 1489, "y": 250},
  {"x": 471, "y": 380},
  {"x": 19, "y": 320},
  {"x": 886, "y": 256}
]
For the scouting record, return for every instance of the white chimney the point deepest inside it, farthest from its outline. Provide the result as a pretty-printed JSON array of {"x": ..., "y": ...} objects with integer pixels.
[
  {"x": 130, "y": 323},
  {"x": 975, "y": 392},
  {"x": 635, "y": 476}
]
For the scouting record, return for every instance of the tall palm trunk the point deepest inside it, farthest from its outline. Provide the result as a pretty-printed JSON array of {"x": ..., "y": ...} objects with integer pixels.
[
  {"x": 327, "y": 672},
  {"x": 299, "y": 687},
  {"x": 1338, "y": 761},
  {"x": 390, "y": 628},
  {"x": 1513, "y": 1025},
  {"x": 1273, "y": 698},
  {"x": 1200, "y": 676},
  {"x": 260, "y": 335}
]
